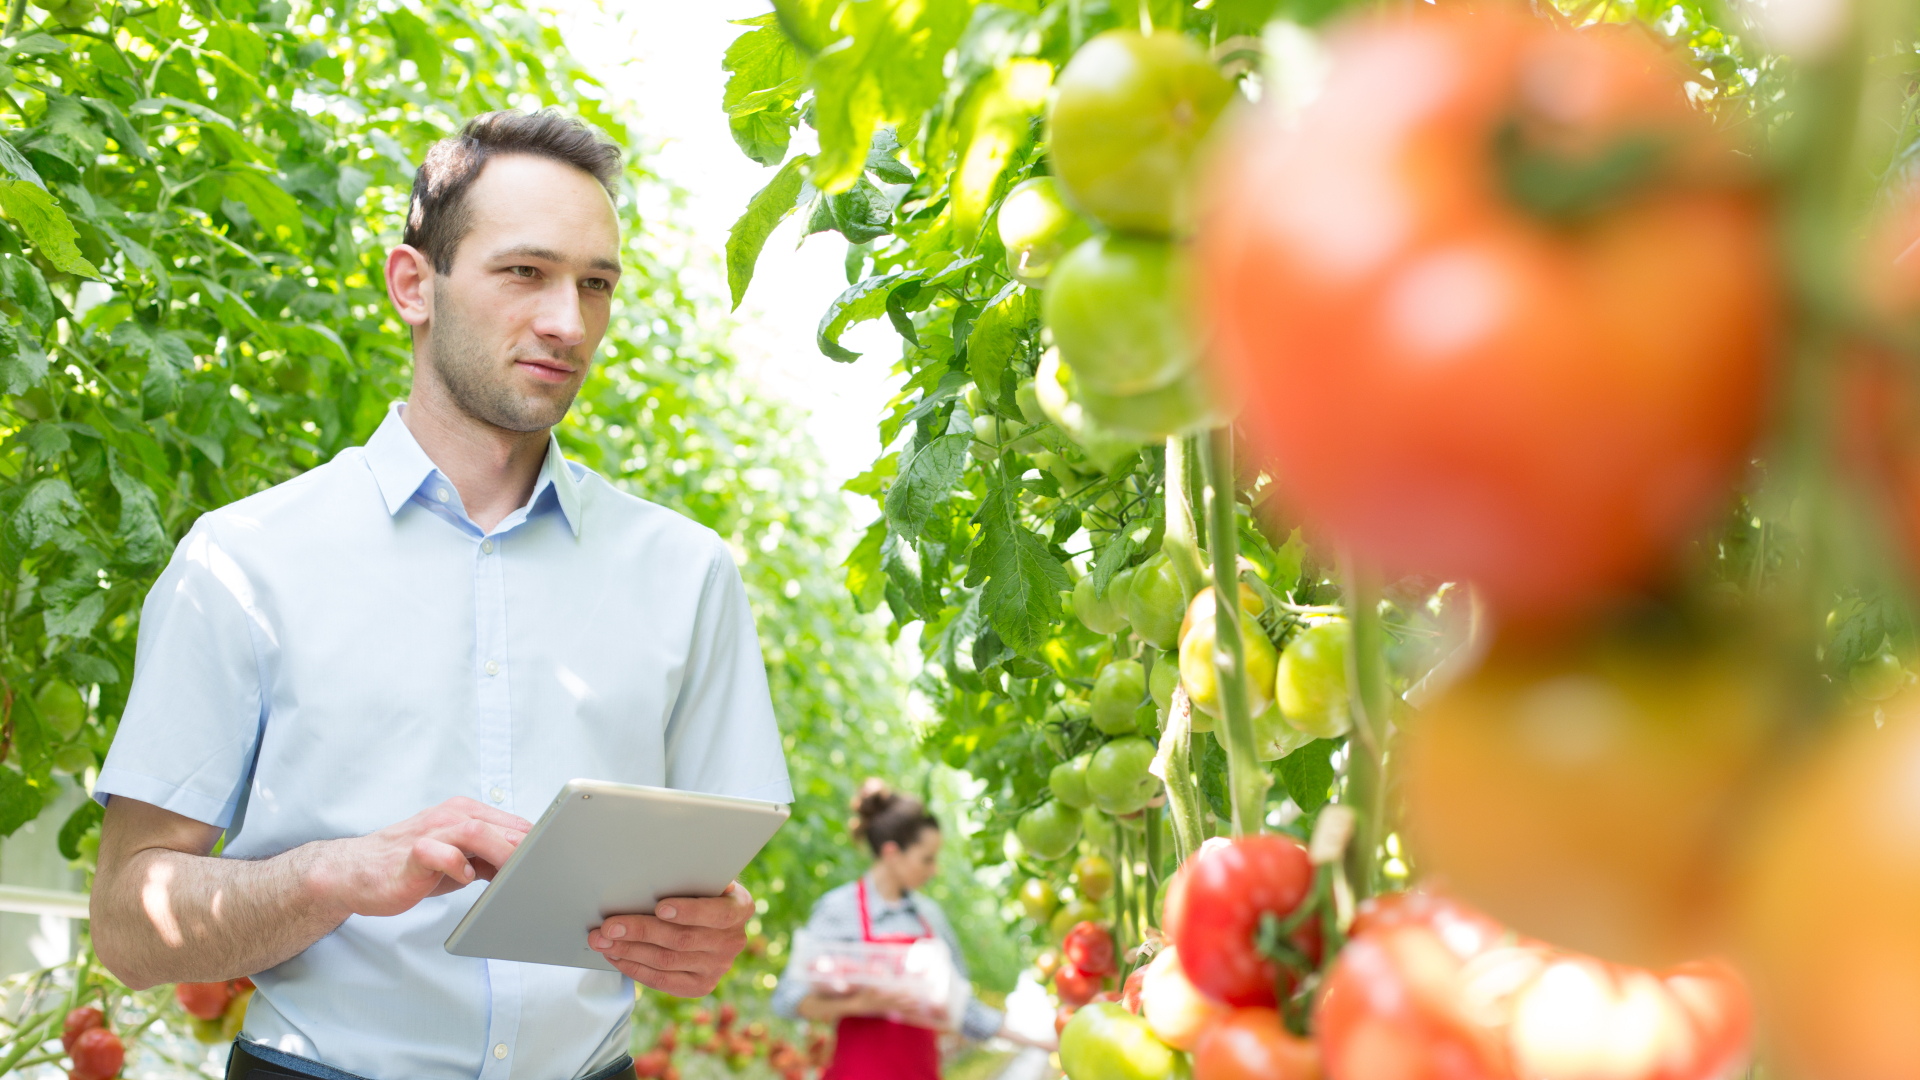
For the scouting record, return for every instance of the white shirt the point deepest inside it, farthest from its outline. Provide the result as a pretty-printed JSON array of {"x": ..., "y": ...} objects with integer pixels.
[{"x": 348, "y": 648}]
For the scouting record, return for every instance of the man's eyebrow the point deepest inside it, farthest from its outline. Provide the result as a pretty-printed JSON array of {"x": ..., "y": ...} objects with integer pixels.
[{"x": 535, "y": 251}]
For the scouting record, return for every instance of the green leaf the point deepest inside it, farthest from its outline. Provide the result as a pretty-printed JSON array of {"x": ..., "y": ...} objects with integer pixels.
[
  {"x": 119, "y": 127},
  {"x": 20, "y": 800},
  {"x": 809, "y": 23},
  {"x": 995, "y": 337},
  {"x": 270, "y": 205},
  {"x": 22, "y": 361},
  {"x": 20, "y": 282},
  {"x": 927, "y": 477},
  {"x": 996, "y": 121},
  {"x": 1308, "y": 774},
  {"x": 862, "y": 301},
  {"x": 763, "y": 83},
  {"x": 17, "y": 166},
  {"x": 1112, "y": 559},
  {"x": 140, "y": 526},
  {"x": 151, "y": 106},
  {"x": 77, "y": 621},
  {"x": 82, "y": 821},
  {"x": 44, "y": 511},
  {"x": 1288, "y": 560},
  {"x": 765, "y": 211},
  {"x": 417, "y": 42},
  {"x": 865, "y": 580},
  {"x": 902, "y": 566},
  {"x": 1024, "y": 581},
  {"x": 862, "y": 212},
  {"x": 46, "y": 226},
  {"x": 887, "y": 69},
  {"x": 166, "y": 353}
]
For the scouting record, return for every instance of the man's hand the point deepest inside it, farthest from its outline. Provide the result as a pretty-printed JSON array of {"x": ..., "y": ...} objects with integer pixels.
[
  {"x": 683, "y": 947},
  {"x": 435, "y": 851}
]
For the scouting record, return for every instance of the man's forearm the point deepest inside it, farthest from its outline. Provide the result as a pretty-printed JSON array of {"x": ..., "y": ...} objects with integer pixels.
[{"x": 168, "y": 916}]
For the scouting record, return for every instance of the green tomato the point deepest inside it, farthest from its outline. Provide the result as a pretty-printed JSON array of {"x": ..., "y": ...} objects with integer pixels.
[
  {"x": 1049, "y": 830},
  {"x": 1118, "y": 777},
  {"x": 1186, "y": 404},
  {"x": 1028, "y": 399},
  {"x": 976, "y": 401},
  {"x": 1117, "y": 691},
  {"x": 1104, "y": 1041},
  {"x": 1878, "y": 678},
  {"x": 1039, "y": 899},
  {"x": 59, "y": 704},
  {"x": 1101, "y": 614},
  {"x": 1069, "y": 782},
  {"x": 1037, "y": 227},
  {"x": 1099, "y": 826},
  {"x": 1117, "y": 307},
  {"x": 1312, "y": 680},
  {"x": 74, "y": 13},
  {"x": 1156, "y": 603},
  {"x": 1052, "y": 384},
  {"x": 209, "y": 1031},
  {"x": 1201, "y": 677},
  {"x": 1161, "y": 681},
  {"x": 1073, "y": 915},
  {"x": 73, "y": 758},
  {"x": 1273, "y": 737},
  {"x": 1129, "y": 113},
  {"x": 1092, "y": 877}
]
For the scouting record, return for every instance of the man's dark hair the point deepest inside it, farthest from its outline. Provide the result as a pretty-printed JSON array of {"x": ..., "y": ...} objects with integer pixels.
[{"x": 438, "y": 217}]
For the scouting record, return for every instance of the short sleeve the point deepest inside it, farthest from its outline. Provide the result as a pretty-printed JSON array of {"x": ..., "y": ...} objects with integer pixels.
[
  {"x": 721, "y": 737},
  {"x": 187, "y": 739}
]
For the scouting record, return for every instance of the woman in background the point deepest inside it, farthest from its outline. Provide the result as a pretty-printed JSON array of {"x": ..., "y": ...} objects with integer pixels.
[{"x": 881, "y": 1036}]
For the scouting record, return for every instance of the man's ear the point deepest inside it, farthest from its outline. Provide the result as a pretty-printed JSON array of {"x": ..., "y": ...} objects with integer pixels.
[{"x": 410, "y": 284}]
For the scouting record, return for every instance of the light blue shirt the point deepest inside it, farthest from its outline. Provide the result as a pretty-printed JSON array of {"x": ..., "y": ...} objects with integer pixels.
[{"x": 346, "y": 649}]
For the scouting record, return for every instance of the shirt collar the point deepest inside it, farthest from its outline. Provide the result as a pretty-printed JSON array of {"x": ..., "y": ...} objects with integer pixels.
[{"x": 400, "y": 467}]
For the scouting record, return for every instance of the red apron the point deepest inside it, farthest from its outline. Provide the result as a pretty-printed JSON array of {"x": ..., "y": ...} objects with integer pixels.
[{"x": 875, "y": 1048}]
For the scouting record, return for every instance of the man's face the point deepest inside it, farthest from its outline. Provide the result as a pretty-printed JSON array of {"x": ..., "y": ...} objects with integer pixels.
[{"x": 516, "y": 322}]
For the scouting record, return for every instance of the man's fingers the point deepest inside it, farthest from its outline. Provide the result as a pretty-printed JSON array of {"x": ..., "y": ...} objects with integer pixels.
[
  {"x": 654, "y": 956},
  {"x": 678, "y": 983},
  {"x": 441, "y": 857},
  {"x": 490, "y": 843},
  {"x": 677, "y": 938},
  {"x": 730, "y": 909},
  {"x": 474, "y": 808}
]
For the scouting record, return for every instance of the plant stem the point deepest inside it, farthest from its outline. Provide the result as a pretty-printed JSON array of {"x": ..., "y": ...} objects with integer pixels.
[
  {"x": 1152, "y": 886},
  {"x": 1181, "y": 542},
  {"x": 1183, "y": 796},
  {"x": 1247, "y": 782},
  {"x": 1366, "y": 751}
]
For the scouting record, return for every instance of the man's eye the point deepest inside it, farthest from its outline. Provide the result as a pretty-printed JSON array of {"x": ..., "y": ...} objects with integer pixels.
[
  {"x": 598, "y": 284},
  {"x": 523, "y": 271}
]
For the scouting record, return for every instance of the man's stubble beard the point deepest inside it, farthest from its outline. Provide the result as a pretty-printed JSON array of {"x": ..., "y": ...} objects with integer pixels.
[{"x": 464, "y": 367}]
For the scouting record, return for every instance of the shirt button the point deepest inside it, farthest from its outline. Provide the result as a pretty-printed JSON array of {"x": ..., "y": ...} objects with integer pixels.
[
  {"x": 496, "y": 794},
  {"x": 486, "y": 546},
  {"x": 493, "y": 668},
  {"x": 499, "y": 1050},
  {"x": 443, "y": 495}
]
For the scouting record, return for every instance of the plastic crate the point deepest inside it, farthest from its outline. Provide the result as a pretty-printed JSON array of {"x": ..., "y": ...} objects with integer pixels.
[{"x": 922, "y": 971}]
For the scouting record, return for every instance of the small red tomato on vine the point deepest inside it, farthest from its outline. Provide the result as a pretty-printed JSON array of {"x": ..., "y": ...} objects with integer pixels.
[
  {"x": 1074, "y": 986},
  {"x": 204, "y": 1001},
  {"x": 1089, "y": 948},
  {"x": 80, "y": 1020},
  {"x": 97, "y": 1055}
]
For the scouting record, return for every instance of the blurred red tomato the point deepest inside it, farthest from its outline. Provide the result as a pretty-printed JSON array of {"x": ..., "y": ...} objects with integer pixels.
[
  {"x": 207, "y": 1001},
  {"x": 1586, "y": 798},
  {"x": 97, "y": 1055},
  {"x": 1829, "y": 902},
  {"x": 80, "y": 1020},
  {"x": 1074, "y": 986},
  {"x": 1089, "y": 947},
  {"x": 1130, "y": 991},
  {"x": 1214, "y": 907},
  {"x": 1252, "y": 1044},
  {"x": 1458, "y": 371}
]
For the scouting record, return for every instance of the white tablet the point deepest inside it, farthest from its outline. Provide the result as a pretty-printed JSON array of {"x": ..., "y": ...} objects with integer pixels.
[{"x": 609, "y": 849}]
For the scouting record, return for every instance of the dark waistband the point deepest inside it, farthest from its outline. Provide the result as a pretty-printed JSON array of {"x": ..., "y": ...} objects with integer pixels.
[{"x": 257, "y": 1061}]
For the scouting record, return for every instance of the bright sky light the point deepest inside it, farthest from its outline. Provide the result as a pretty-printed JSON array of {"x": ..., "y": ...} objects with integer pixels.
[{"x": 663, "y": 57}]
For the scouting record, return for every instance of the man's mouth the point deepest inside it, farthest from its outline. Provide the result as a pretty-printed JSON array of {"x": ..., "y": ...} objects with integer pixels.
[{"x": 545, "y": 369}]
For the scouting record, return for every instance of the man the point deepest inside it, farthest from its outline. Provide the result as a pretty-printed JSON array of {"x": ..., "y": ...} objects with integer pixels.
[{"x": 368, "y": 677}]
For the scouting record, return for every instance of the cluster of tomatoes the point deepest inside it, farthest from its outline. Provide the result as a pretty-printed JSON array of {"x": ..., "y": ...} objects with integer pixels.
[
  {"x": 719, "y": 1034},
  {"x": 218, "y": 1009},
  {"x": 95, "y": 1051}
]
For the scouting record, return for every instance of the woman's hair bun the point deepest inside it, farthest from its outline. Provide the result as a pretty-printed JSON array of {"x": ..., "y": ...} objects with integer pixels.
[
  {"x": 874, "y": 799},
  {"x": 883, "y": 816}
]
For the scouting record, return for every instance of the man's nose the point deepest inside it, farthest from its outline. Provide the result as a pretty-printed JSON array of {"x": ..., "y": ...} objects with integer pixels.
[{"x": 559, "y": 321}]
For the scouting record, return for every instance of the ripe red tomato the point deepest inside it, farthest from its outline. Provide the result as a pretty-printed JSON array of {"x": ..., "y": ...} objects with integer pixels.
[
  {"x": 97, "y": 1054},
  {"x": 1214, "y": 907},
  {"x": 1130, "y": 992},
  {"x": 1252, "y": 1044},
  {"x": 1391, "y": 1006},
  {"x": 1584, "y": 798},
  {"x": 1499, "y": 393},
  {"x": 206, "y": 1001},
  {"x": 1828, "y": 904},
  {"x": 1089, "y": 948},
  {"x": 80, "y": 1020},
  {"x": 1062, "y": 1016},
  {"x": 1074, "y": 986}
]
